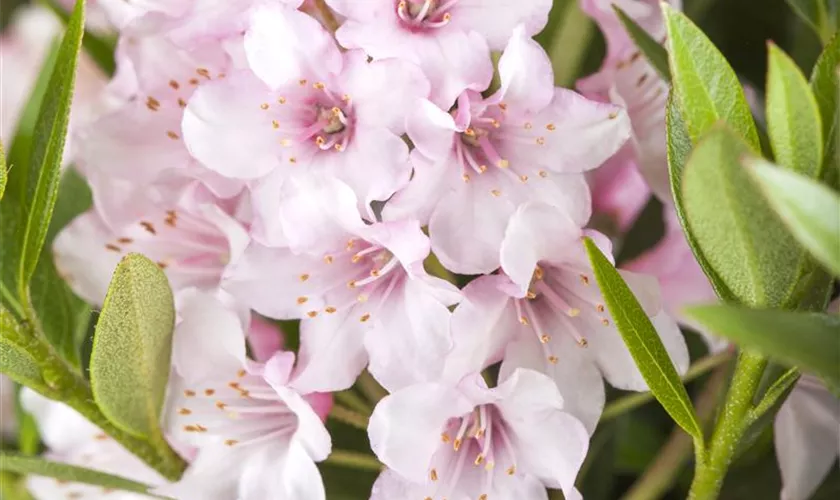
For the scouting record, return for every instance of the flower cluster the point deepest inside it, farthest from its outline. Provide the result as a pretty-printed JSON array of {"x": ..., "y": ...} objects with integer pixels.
[{"x": 302, "y": 161}]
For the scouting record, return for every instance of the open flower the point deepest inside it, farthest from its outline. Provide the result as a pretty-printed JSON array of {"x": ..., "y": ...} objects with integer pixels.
[
  {"x": 71, "y": 439},
  {"x": 257, "y": 438},
  {"x": 467, "y": 441},
  {"x": 628, "y": 79},
  {"x": 306, "y": 106},
  {"x": 449, "y": 39},
  {"x": 529, "y": 141},
  {"x": 548, "y": 315},
  {"x": 192, "y": 239},
  {"x": 355, "y": 285}
]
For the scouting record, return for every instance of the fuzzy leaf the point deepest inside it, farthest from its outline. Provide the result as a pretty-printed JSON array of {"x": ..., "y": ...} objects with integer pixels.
[
  {"x": 40, "y": 183},
  {"x": 647, "y": 45},
  {"x": 26, "y": 465},
  {"x": 644, "y": 343},
  {"x": 825, "y": 84},
  {"x": 793, "y": 119},
  {"x": 706, "y": 86},
  {"x": 130, "y": 361},
  {"x": 15, "y": 362},
  {"x": 800, "y": 339},
  {"x": 810, "y": 210},
  {"x": 744, "y": 244}
]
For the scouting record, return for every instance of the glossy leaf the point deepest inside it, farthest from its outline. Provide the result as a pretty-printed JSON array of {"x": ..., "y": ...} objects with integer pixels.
[
  {"x": 810, "y": 210},
  {"x": 793, "y": 119},
  {"x": 647, "y": 45},
  {"x": 743, "y": 243},
  {"x": 130, "y": 361},
  {"x": 706, "y": 86},
  {"x": 644, "y": 343},
  {"x": 825, "y": 84},
  {"x": 805, "y": 340},
  {"x": 44, "y": 169},
  {"x": 27, "y": 465}
]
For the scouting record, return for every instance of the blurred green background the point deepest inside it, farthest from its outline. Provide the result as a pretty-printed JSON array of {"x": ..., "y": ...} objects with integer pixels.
[{"x": 623, "y": 448}]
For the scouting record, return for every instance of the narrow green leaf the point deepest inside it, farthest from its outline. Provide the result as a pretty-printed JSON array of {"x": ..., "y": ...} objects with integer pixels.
[
  {"x": 776, "y": 394},
  {"x": 4, "y": 176},
  {"x": 743, "y": 243},
  {"x": 793, "y": 119},
  {"x": 129, "y": 364},
  {"x": 805, "y": 340},
  {"x": 679, "y": 149},
  {"x": 816, "y": 15},
  {"x": 644, "y": 343},
  {"x": 825, "y": 84},
  {"x": 48, "y": 146},
  {"x": 810, "y": 210},
  {"x": 705, "y": 84},
  {"x": 647, "y": 45},
  {"x": 22, "y": 464}
]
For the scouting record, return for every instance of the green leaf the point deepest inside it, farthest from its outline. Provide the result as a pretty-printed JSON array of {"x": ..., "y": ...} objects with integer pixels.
[
  {"x": 22, "y": 464},
  {"x": 706, "y": 86},
  {"x": 644, "y": 343},
  {"x": 810, "y": 210},
  {"x": 42, "y": 177},
  {"x": 801, "y": 339},
  {"x": 816, "y": 15},
  {"x": 647, "y": 45},
  {"x": 129, "y": 364},
  {"x": 15, "y": 362},
  {"x": 742, "y": 242},
  {"x": 793, "y": 119},
  {"x": 826, "y": 87},
  {"x": 4, "y": 176}
]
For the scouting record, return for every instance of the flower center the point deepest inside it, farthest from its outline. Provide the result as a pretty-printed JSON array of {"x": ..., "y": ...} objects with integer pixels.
[
  {"x": 480, "y": 445},
  {"x": 419, "y": 14}
]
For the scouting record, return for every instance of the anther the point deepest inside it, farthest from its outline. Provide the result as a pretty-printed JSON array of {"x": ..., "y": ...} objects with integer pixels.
[
  {"x": 152, "y": 103},
  {"x": 523, "y": 320},
  {"x": 312, "y": 314},
  {"x": 583, "y": 342},
  {"x": 364, "y": 317},
  {"x": 605, "y": 322},
  {"x": 184, "y": 411},
  {"x": 433, "y": 475},
  {"x": 188, "y": 393},
  {"x": 552, "y": 359},
  {"x": 551, "y": 127},
  {"x": 479, "y": 459},
  {"x": 303, "y": 277},
  {"x": 496, "y": 193},
  {"x": 231, "y": 442},
  {"x": 541, "y": 141},
  {"x": 330, "y": 310},
  {"x": 599, "y": 308},
  {"x": 545, "y": 338},
  {"x": 264, "y": 106},
  {"x": 209, "y": 392},
  {"x": 543, "y": 174}
]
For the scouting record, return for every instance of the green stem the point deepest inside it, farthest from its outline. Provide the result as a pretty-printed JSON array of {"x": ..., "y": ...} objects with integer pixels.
[
  {"x": 661, "y": 475},
  {"x": 353, "y": 460},
  {"x": 65, "y": 384},
  {"x": 370, "y": 387},
  {"x": 570, "y": 44},
  {"x": 349, "y": 417},
  {"x": 627, "y": 403},
  {"x": 350, "y": 399},
  {"x": 731, "y": 424}
]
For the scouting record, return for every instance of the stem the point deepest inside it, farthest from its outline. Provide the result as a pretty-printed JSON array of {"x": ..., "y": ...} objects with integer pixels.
[
  {"x": 627, "y": 403},
  {"x": 660, "y": 476},
  {"x": 350, "y": 399},
  {"x": 327, "y": 16},
  {"x": 349, "y": 417},
  {"x": 371, "y": 388},
  {"x": 354, "y": 460},
  {"x": 731, "y": 424}
]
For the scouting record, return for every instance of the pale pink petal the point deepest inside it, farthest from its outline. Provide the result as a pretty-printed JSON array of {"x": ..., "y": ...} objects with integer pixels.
[
  {"x": 467, "y": 229},
  {"x": 807, "y": 437},
  {"x": 497, "y": 19},
  {"x": 62, "y": 428},
  {"x": 284, "y": 474},
  {"x": 284, "y": 45},
  {"x": 527, "y": 80},
  {"x": 405, "y": 427},
  {"x": 554, "y": 443},
  {"x": 227, "y": 130},
  {"x": 536, "y": 231},
  {"x": 430, "y": 181},
  {"x": 431, "y": 129},
  {"x": 264, "y": 338},
  {"x": 404, "y": 239},
  {"x": 482, "y": 325},
  {"x": 619, "y": 192}
]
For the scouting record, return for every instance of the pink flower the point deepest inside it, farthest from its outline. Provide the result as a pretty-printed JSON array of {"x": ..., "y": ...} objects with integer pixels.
[
  {"x": 360, "y": 289},
  {"x": 257, "y": 438},
  {"x": 529, "y": 141},
  {"x": 71, "y": 439},
  {"x": 191, "y": 238},
  {"x": 468, "y": 441},
  {"x": 619, "y": 193},
  {"x": 548, "y": 315},
  {"x": 680, "y": 277},
  {"x": 306, "y": 106},
  {"x": 449, "y": 39},
  {"x": 807, "y": 437},
  {"x": 626, "y": 78}
]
